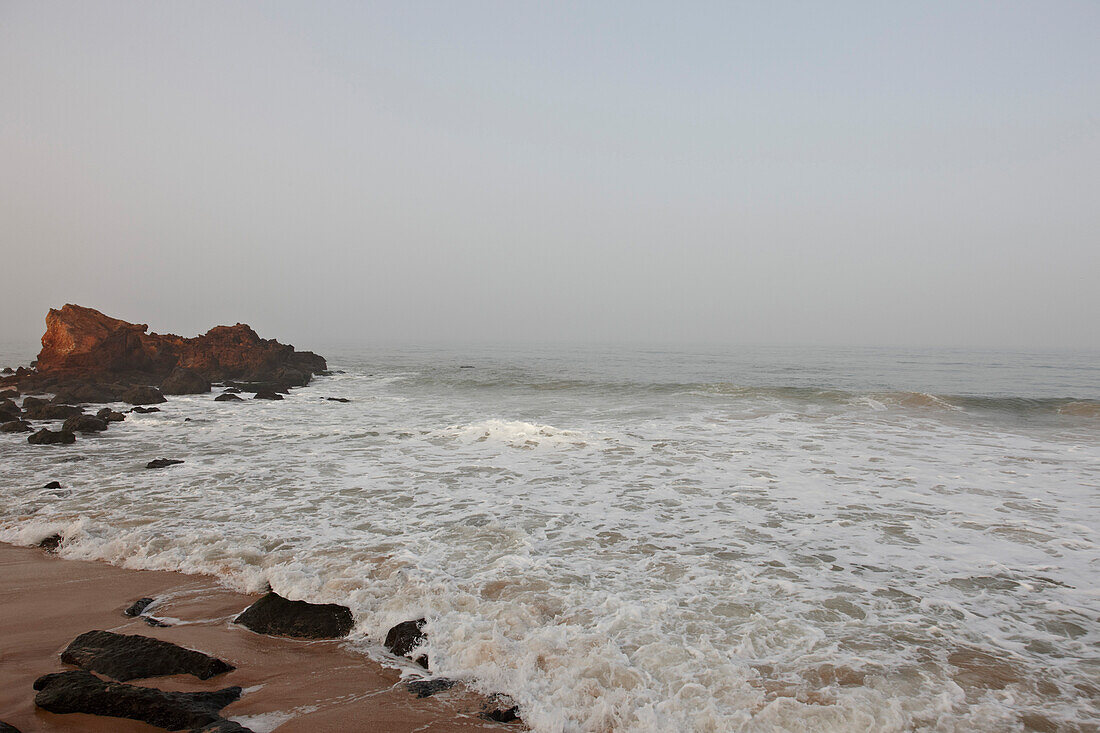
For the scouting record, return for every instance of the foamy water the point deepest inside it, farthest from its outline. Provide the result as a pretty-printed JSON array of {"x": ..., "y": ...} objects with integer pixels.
[{"x": 646, "y": 541}]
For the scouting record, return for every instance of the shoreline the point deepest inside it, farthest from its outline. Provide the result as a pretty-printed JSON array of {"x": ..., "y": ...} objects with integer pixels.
[{"x": 291, "y": 686}]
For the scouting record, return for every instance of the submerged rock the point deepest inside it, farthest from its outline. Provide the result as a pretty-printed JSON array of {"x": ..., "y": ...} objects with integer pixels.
[
  {"x": 338, "y": 399},
  {"x": 49, "y": 437},
  {"x": 16, "y": 426},
  {"x": 502, "y": 715},
  {"x": 267, "y": 394},
  {"x": 138, "y": 607},
  {"x": 258, "y": 387},
  {"x": 145, "y": 410},
  {"x": 276, "y": 615},
  {"x": 405, "y": 637},
  {"x": 110, "y": 415},
  {"x": 51, "y": 543},
  {"x": 84, "y": 424},
  {"x": 227, "y": 397},
  {"x": 143, "y": 396},
  {"x": 83, "y": 692},
  {"x": 184, "y": 381},
  {"x": 162, "y": 462},
  {"x": 130, "y": 657}
]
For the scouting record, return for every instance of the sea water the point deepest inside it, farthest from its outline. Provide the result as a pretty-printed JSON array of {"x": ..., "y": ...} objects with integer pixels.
[{"x": 646, "y": 539}]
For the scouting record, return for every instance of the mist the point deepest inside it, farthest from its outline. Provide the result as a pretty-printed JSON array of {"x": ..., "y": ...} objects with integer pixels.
[{"x": 846, "y": 173}]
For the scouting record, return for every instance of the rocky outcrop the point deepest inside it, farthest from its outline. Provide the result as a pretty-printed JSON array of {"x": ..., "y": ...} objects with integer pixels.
[
  {"x": 83, "y": 345},
  {"x": 49, "y": 437},
  {"x": 83, "y": 692},
  {"x": 125, "y": 657},
  {"x": 276, "y": 615}
]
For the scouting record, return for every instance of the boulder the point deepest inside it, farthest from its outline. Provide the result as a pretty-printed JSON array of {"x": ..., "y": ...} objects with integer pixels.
[
  {"x": 49, "y": 437},
  {"x": 405, "y": 637},
  {"x": 16, "y": 426},
  {"x": 110, "y": 415},
  {"x": 87, "y": 392},
  {"x": 51, "y": 543},
  {"x": 427, "y": 688},
  {"x": 162, "y": 462},
  {"x": 267, "y": 395},
  {"x": 184, "y": 381},
  {"x": 53, "y": 485},
  {"x": 83, "y": 692},
  {"x": 143, "y": 395},
  {"x": 50, "y": 411},
  {"x": 129, "y": 657},
  {"x": 9, "y": 409},
  {"x": 84, "y": 424},
  {"x": 227, "y": 397},
  {"x": 145, "y": 410},
  {"x": 138, "y": 607},
  {"x": 31, "y": 402},
  {"x": 278, "y": 616}
]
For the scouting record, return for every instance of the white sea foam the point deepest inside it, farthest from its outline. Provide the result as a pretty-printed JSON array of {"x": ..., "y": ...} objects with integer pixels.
[{"x": 647, "y": 560}]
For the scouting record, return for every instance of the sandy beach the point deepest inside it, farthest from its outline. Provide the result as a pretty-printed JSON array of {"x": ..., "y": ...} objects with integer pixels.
[{"x": 316, "y": 686}]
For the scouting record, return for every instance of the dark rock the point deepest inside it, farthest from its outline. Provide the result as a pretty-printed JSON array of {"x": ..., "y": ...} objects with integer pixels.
[
  {"x": 126, "y": 657},
  {"x": 338, "y": 399},
  {"x": 53, "y": 485},
  {"x": 9, "y": 393},
  {"x": 51, "y": 411},
  {"x": 110, "y": 415},
  {"x": 7, "y": 727},
  {"x": 138, "y": 607},
  {"x": 502, "y": 715},
  {"x": 427, "y": 688},
  {"x": 87, "y": 392},
  {"x": 30, "y": 402},
  {"x": 8, "y": 370},
  {"x": 51, "y": 543},
  {"x": 291, "y": 377},
  {"x": 227, "y": 397},
  {"x": 267, "y": 395},
  {"x": 259, "y": 387},
  {"x": 156, "y": 623},
  {"x": 222, "y": 725},
  {"x": 49, "y": 437},
  {"x": 162, "y": 462},
  {"x": 9, "y": 410},
  {"x": 83, "y": 692},
  {"x": 143, "y": 396},
  {"x": 405, "y": 637},
  {"x": 184, "y": 381},
  {"x": 16, "y": 426},
  {"x": 278, "y": 616},
  {"x": 145, "y": 410},
  {"x": 84, "y": 424}
]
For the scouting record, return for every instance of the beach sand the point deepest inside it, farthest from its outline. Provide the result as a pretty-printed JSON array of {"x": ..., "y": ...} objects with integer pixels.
[{"x": 290, "y": 685}]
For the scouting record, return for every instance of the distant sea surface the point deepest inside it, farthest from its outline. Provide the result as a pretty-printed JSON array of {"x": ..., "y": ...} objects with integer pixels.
[{"x": 645, "y": 539}]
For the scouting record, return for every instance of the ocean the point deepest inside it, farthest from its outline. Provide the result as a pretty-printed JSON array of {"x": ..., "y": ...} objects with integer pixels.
[{"x": 643, "y": 538}]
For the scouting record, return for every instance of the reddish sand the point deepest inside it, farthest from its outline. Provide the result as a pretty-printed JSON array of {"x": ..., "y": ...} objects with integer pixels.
[{"x": 318, "y": 686}]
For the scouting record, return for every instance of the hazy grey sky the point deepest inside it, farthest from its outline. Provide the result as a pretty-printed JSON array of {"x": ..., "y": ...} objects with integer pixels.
[{"x": 922, "y": 173}]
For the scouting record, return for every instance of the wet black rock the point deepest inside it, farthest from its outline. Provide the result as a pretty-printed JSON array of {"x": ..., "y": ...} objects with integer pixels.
[
  {"x": 50, "y": 411},
  {"x": 276, "y": 615},
  {"x": 138, "y": 607},
  {"x": 338, "y": 399},
  {"x": 84, "y": 424},
  {"x": 51, "y": 543},
  {"x": 184, "y": 381},
  {"x": 267, "y": 394},
  {"x": 162, "y": 462},
  {"x": 143, "y": 396},
  {"x": 7, "y": 728},
  {"x": 405, "y": 637},
  {"x": 130, "y": 657},
  {"x": 110, "y": 415},
  {"x": 227, "y": 397},
  {"x": 49, "y": 437},
  {"x": 16, "y": 426},
  {"x": 156, "y": 623},
  {"x": 53, "y": 485},
  {"x": 145, "y": 410},
  {"x": 502, "y": 715},
  {"x": 427, "y": 688},
  {"x": 83, "y": 692}
]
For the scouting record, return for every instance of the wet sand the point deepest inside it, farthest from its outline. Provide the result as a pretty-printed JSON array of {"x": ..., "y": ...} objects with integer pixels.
[{"x": 290, "y": 686}]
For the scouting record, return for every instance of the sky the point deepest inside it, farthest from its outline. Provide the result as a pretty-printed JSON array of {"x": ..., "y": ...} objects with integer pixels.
[{"x": 848, "y": 173}]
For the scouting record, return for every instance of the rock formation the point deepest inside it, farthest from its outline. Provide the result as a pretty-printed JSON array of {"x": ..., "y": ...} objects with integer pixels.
[{"x": 96, "y": 357}]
